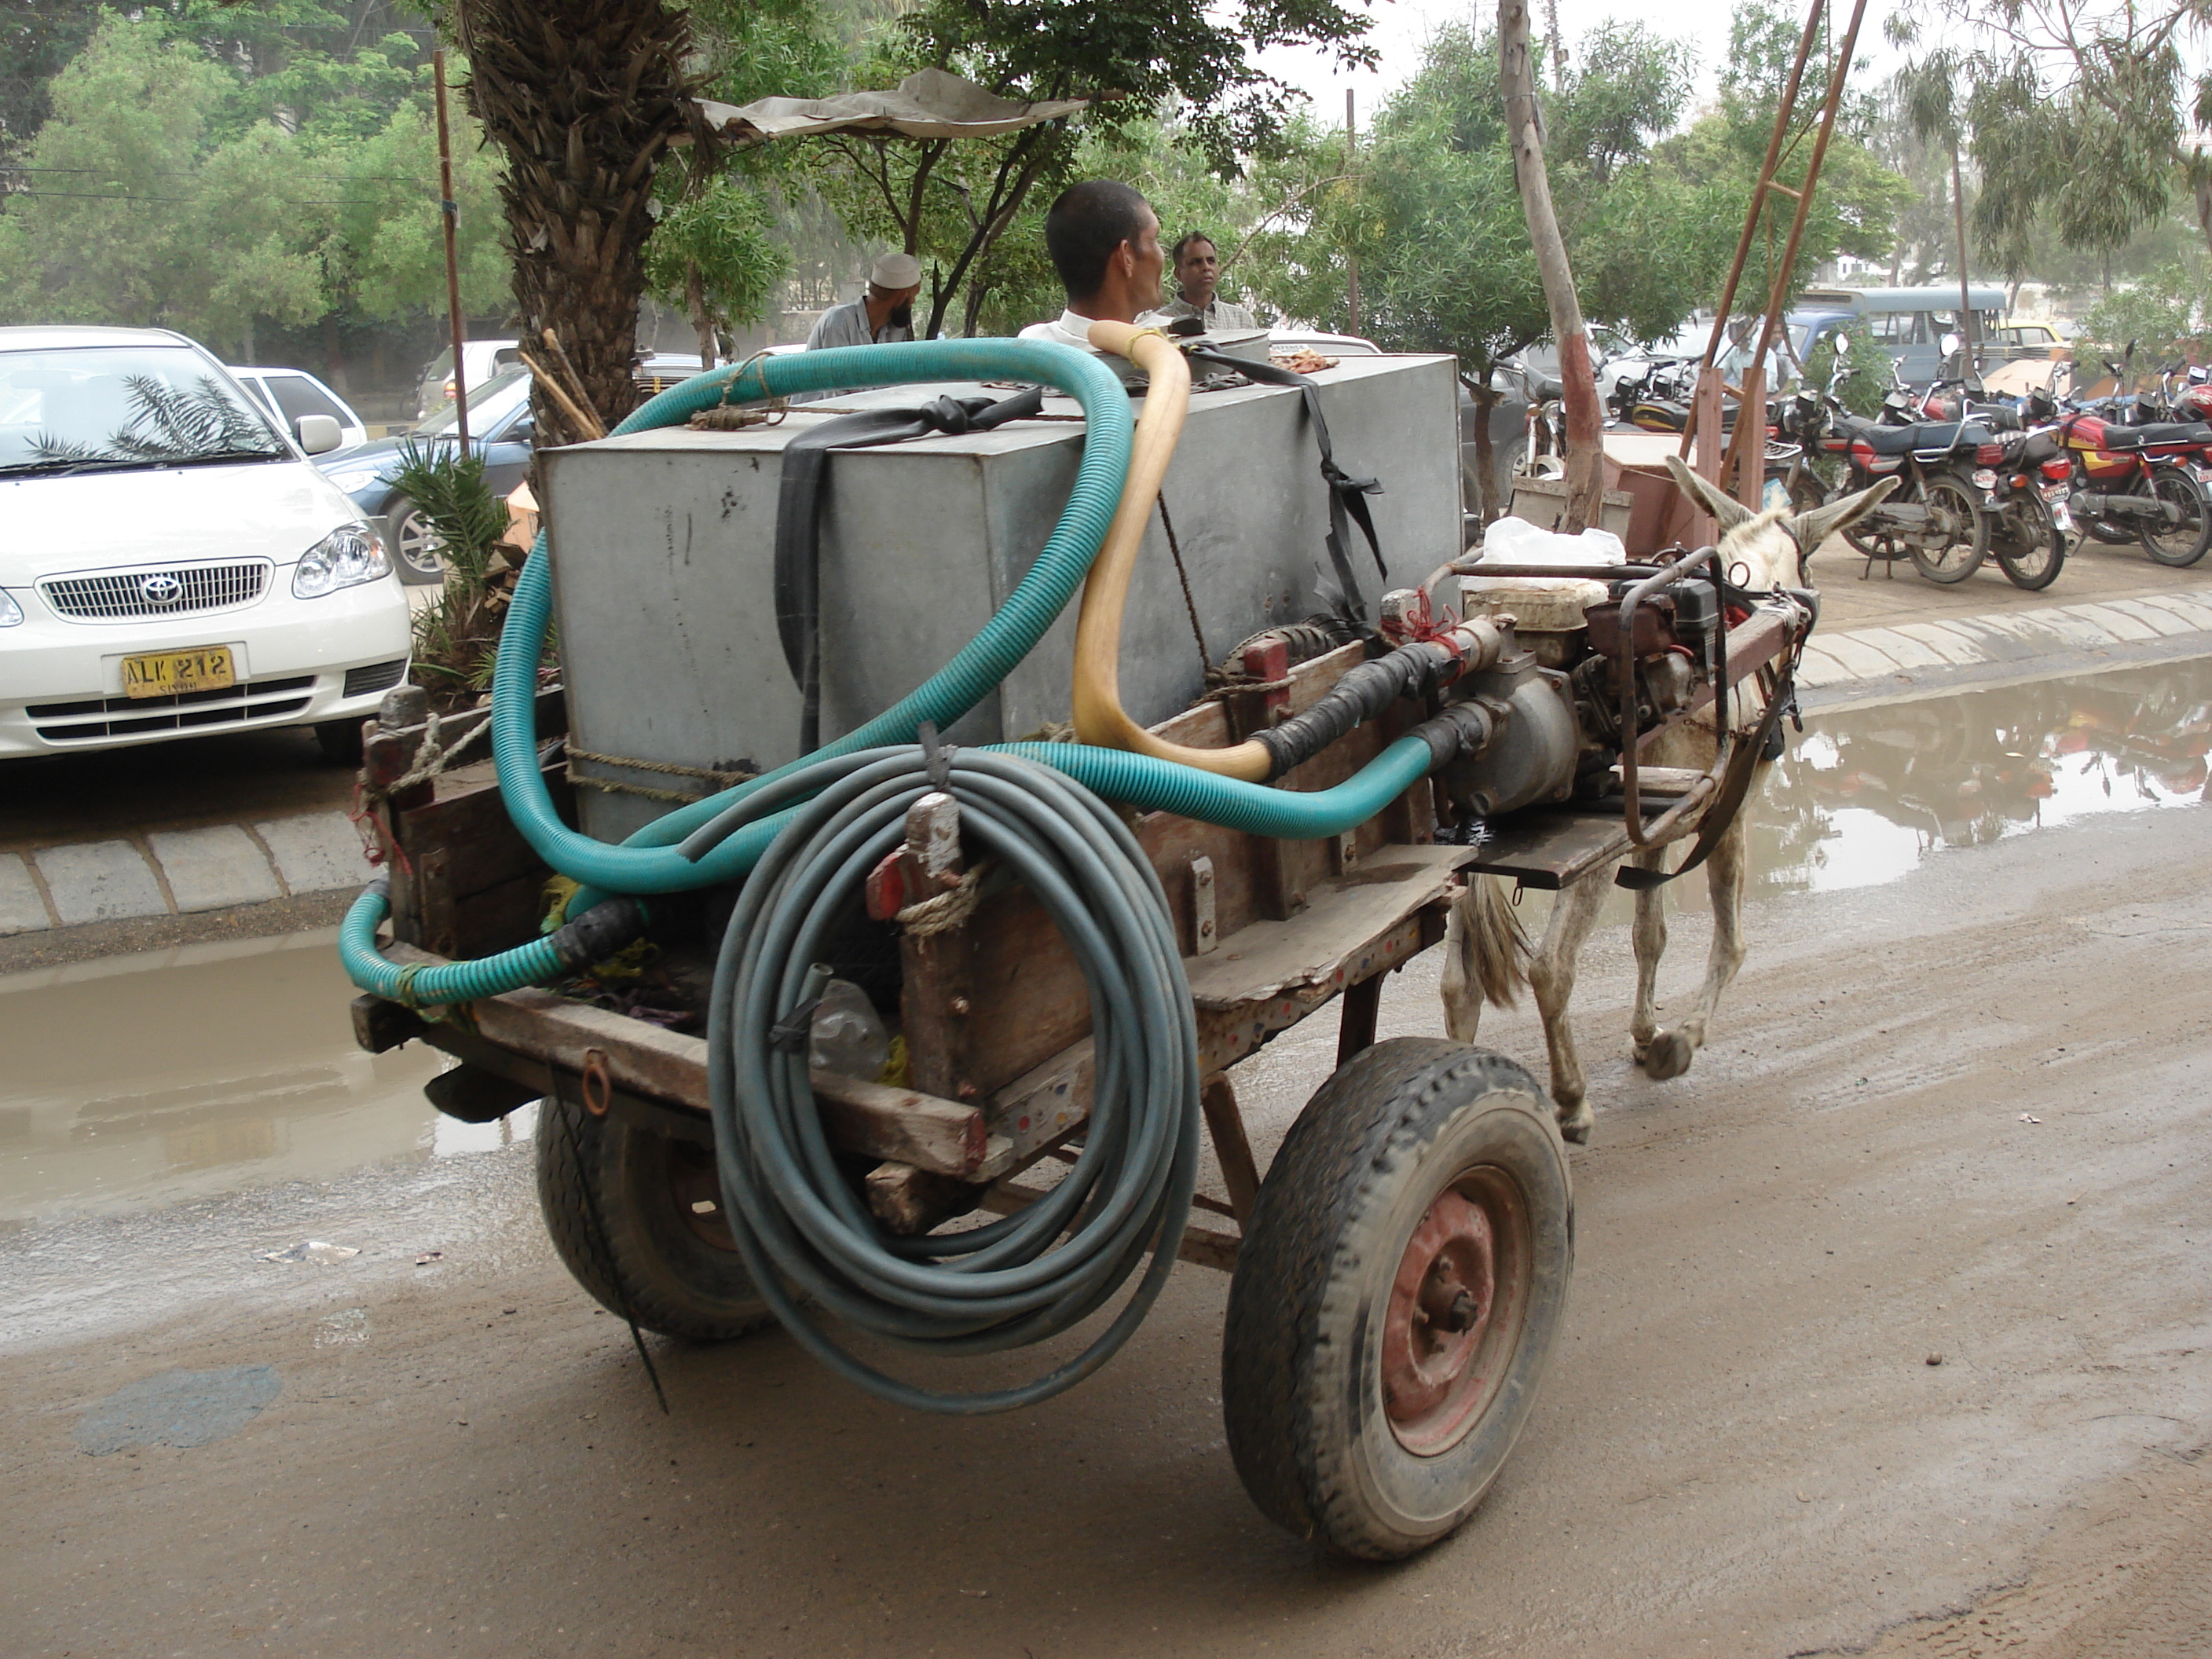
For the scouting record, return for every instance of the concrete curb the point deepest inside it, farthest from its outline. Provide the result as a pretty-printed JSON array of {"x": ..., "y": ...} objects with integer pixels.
[
  {"x": 177, "y": 873},
  {"x": 1902, "y": 661}
]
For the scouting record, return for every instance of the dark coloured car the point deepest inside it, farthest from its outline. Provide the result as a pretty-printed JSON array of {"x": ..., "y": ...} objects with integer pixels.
[{"x": 500, "y": 429}]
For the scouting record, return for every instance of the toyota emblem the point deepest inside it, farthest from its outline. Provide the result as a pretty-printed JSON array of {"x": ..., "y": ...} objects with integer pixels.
[{"x": 161, "y": 588}]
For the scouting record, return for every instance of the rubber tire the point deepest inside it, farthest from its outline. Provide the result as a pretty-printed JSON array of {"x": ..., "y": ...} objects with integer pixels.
[
  {"x": 671, "y": 1280},
  {"x": 340, "y": 741},
  {"x": 2017, "y": 556},
  {"x": 399, "y": 520},
  {"x": 2111, "y": 534},
  {"x": 1950, "y": 575},
  {"x": 2167, "y": 484},
  {"x": 1301, "y": 1387}
]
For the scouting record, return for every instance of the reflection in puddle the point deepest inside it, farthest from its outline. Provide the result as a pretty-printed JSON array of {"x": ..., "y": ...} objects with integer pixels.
[
  {"x": 142, "y": 1081},
  {"x": 1865, "y": 795}
]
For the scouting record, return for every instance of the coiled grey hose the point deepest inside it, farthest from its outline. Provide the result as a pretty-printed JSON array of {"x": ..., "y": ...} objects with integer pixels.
[{"x": 806, "y": 1237}]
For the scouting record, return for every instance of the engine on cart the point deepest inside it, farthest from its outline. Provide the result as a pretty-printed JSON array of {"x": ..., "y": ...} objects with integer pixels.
[{"x": 1563, "y": 704}]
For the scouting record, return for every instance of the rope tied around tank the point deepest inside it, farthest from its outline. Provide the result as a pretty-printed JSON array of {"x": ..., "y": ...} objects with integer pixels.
[{"x": 716, "y": 779}]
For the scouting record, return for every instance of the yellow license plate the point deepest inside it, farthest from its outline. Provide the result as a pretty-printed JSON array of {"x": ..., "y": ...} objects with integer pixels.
[{"x": 171, "y": 673}]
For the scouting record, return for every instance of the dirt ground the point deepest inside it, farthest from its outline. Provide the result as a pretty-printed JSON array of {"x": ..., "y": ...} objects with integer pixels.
[{"x": 1962, "y": 1117}]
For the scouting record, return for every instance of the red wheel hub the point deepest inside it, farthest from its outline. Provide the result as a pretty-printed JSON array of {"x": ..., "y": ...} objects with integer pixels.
[{"x": 1445, "y": 1335}]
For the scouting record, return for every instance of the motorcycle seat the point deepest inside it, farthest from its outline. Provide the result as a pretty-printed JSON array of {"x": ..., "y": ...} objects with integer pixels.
[
  {"x": 1925, "y": 435},
  {"x": 1548, "y": 390},
  {"x": 2156, "y": 433}
]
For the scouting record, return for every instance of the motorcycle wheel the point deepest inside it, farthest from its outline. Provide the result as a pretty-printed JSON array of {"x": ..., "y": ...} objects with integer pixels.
[
  {"x": 2030, "y": 547},
  {"x": 1805, "y": 492},
  {"x": 2111, "y": 534},
  {"x": 1956, "y": 518},
  {"x": 2182, "y": 544}
]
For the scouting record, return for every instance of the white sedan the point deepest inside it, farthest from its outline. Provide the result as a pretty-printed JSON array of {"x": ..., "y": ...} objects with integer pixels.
[{"x": 171, "y": 563}]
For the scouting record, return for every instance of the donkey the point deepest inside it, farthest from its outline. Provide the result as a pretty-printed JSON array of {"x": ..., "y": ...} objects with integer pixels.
[{"x": 1487, "y": 957}]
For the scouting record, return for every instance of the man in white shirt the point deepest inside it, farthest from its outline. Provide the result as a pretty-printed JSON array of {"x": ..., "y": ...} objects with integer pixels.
[
  {"x": 1105, "y": 240},
  {"x": 1198, "y": 271}
]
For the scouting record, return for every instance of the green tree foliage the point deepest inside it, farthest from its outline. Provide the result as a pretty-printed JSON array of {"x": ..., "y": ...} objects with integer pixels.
[
  {"x": 1859, "y": 199},
  {"x": 719, "y": 247},
  {"x": 2168, "y": 315},
  {"x": 953, "y": 201},
  {"x": 2082, "y": 117},
  {"x": 1429, "y": 207},
  {"x": 169, "y": 186}
]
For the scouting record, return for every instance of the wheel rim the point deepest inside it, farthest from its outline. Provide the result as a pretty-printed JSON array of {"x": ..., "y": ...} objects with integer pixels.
[
  {"x": 1456, "y": 1309},
  {"x": 693, "y": 1181},
  {"x": 1958, "y": 548},
  {"x": 419, "y": 546},
  {"x": 2178, "y": 540},
  {"x": 2031, "y": 538}
]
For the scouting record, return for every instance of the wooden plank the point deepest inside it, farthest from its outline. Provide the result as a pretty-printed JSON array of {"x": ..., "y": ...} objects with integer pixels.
[
  {"x": 1547, "y": 847},
  {"x": 1227, "y": 1033},
  {"x": 380, "y": 1026},
  {"x": 869, "y": 1119},
  {"x": 1203, "y": 1247}
]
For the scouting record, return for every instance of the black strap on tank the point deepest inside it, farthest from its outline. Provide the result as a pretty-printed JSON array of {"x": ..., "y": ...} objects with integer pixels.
[
  {"x": 1348, "y": 496},
  {"x": 799, "y": 519}
]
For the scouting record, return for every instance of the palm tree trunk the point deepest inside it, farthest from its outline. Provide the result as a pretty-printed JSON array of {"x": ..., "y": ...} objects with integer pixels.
[{"x": 583, "y": 97}]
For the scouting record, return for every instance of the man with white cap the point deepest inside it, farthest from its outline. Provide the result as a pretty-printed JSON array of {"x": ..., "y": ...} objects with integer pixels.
[{"x": 884, "y": 313}]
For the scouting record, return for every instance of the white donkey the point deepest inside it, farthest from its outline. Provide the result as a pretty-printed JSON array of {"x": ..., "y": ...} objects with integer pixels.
[{"x": 1487, "y": 957}]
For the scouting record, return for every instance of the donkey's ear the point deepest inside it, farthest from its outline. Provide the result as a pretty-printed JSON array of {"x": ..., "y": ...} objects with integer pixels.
[
  {"x": 1809, "y": 530},
  {"x": 1728, "y": 511}
]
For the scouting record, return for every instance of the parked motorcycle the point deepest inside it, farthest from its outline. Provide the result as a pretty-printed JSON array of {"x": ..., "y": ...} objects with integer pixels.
[
  {"x": 1938, "y": 519},
  {"x": 2145, "y": 480}
]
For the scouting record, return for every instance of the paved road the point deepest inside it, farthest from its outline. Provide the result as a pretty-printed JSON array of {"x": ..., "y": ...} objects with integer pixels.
[{"x": 1963, "y": 1116}]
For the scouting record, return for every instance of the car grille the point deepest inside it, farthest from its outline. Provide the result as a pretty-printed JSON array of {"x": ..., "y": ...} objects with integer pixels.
[
  {"x": 377, "y": 677},
  {"x": 260, "y": 701},
  {"x": 171, "y": 592}
]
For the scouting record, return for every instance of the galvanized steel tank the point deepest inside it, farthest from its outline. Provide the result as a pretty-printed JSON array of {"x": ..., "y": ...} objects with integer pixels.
[{"x": 663, "y": 548}]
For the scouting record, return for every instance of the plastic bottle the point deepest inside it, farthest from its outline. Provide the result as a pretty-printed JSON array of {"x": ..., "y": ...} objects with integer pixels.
[{"x": 848, "y": 1037}]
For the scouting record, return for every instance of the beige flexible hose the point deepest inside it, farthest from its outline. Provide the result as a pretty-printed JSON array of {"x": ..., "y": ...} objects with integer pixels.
[{"x": 1099, "y": 717}]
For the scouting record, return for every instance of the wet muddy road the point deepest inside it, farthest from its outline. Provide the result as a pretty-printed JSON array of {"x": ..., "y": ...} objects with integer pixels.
[{"x": 1958, "y": 1109}]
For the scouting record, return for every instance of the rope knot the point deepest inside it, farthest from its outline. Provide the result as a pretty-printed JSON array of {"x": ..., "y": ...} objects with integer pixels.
[{"x": 942, "y": 912}]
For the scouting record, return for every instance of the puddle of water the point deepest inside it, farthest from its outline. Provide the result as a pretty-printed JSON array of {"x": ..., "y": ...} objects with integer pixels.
[
  {"x": 1866, "y": 795},
  {"x": 138, "y": 1081}
]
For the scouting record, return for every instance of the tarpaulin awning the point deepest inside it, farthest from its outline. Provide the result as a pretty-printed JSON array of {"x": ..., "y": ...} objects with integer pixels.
[{"x": 928, "y": 104}]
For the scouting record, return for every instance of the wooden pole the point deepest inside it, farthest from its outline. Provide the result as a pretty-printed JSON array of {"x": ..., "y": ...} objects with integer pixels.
[
  {"x": 450, "y": 211},
  {"x": 1350, "y": 254},
  {"x": 1524, "y": 126}
]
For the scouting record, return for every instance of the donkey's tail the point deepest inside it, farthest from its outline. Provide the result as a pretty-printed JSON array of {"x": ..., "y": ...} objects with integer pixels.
[{"x": 1485, "y": 956}]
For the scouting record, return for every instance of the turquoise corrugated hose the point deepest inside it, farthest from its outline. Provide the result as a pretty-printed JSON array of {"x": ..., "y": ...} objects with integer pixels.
[{"x": 649, "y": 861}]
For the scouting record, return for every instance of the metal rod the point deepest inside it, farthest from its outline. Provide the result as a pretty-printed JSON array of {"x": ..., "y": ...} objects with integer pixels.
[
  {"x": 1625, "y": 672},
  {"x": 1778, "y": 293},
  {"x": 1783, "y": 112},
  {"x": 449, "y": 210}
]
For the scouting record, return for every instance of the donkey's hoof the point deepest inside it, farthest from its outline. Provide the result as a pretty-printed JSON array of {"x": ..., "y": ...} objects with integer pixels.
[
  {"x": 1668, "y": 1056},
  {"x": 1575, "y": 1126}
]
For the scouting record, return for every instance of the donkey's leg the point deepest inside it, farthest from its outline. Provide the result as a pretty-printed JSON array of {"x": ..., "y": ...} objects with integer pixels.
[
  {"x": 1650, "y": 935},
  {"x": 1552, "y": 976},
  {"x": 1671, "y": 1052}
]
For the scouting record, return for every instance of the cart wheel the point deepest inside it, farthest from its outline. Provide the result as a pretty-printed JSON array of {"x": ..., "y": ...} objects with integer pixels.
[
  {"x": 674, "y": 1263},
  {"x": 1396, "y": 1297}
]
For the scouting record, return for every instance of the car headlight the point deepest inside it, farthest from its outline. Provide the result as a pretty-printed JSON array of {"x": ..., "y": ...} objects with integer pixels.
[
  {"x": 348, "y": 557},
  {"x": 10, "y": 612},
  {"x": 357, "y": 478}
]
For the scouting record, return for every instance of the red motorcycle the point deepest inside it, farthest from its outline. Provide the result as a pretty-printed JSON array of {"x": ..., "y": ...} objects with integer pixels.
[{"x": 2149, "y": 479}]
